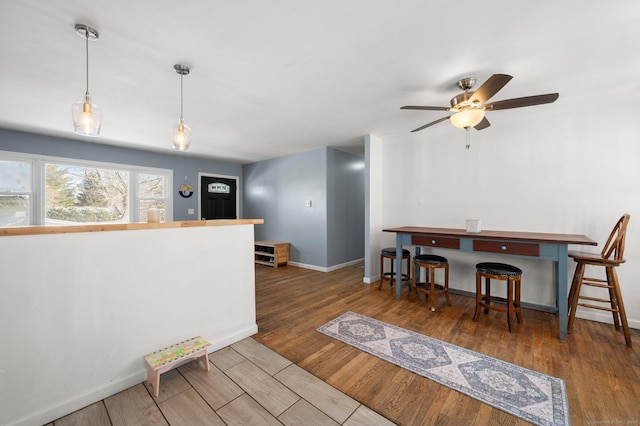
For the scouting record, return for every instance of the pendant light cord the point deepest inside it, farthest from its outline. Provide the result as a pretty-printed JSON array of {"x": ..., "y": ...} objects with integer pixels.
[
  {"x": 181, "y": 95},
  {"x": 87, "y": 56}
]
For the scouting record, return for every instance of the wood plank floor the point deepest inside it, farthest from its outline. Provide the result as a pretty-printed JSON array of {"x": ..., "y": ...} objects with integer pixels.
[
  {"x": 251, "y": 384},
  {"x": 602, "y": 374}
]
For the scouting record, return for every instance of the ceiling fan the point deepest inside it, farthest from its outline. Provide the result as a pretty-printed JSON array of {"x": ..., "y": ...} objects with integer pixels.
[{"x": 469, "y": 107}]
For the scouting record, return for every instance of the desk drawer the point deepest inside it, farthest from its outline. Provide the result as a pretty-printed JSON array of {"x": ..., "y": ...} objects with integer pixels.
[
  {"x": 422, "y": 240},
  {"x": 522, "y": 249}
]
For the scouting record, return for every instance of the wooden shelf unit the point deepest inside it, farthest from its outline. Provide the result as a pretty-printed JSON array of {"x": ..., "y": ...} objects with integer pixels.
[{"x": 271, "y": 253}]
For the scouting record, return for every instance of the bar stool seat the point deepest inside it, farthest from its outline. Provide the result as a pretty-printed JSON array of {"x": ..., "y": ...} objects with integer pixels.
[
  {"x": 431, "y": 263},
  {"x": 503, "y": 272},
  {"x": 390, "y": 253}
]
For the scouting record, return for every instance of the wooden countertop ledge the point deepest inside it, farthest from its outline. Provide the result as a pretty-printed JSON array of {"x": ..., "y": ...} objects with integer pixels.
[{"x": 38, "y": 230}]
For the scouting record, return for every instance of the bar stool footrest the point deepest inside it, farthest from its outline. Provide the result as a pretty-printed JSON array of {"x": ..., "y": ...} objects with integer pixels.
[
  {"x": 602, "y": 308},
  {"x": 487, "y": 300},
  {"x": 424, "y": 286}
]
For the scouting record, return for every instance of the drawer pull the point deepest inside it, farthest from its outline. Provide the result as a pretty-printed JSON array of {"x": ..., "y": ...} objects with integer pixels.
[
  {"x": 433, "y": 241},
  {"x": 503, "y": 248}
]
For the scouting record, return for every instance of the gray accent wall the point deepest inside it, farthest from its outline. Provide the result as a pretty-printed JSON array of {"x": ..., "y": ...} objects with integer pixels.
[
  {"x": 181, "y": 164},
  {"x": 345, "y": 207},
  {"x": 329, "y": 231}
]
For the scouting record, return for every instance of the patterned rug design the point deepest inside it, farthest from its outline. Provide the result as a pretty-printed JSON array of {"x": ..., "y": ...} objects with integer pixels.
[{"x": 529, "y": 395}]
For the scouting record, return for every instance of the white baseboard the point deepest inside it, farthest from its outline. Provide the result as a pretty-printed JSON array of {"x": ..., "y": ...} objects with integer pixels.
[
  {"x": 307, "y": 266},
  {"x": 232, "y": 338},
  {"x": 369, "y": 280},
  {"x": 345, "y": 265},
  {"x": 592, "y": 315},
  {"x": 326, "y": 269},
  {"x": 52, "y": 413}
]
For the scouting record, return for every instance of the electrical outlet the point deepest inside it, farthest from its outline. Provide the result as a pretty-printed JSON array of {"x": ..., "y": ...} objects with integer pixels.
[{"x": 191, "y": 211}]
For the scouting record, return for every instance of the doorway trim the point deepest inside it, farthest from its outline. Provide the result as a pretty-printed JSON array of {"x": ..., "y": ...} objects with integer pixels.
[{"x": 214, "y": 175}]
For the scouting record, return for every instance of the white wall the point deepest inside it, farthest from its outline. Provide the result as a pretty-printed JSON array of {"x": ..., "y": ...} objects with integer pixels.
[
  {"x": 79, "y": 311},
  {"x": 568, "y": 167}
]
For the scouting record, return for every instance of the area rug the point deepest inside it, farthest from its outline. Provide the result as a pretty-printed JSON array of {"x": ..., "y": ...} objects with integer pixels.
[{"x": 529, "y": 395}]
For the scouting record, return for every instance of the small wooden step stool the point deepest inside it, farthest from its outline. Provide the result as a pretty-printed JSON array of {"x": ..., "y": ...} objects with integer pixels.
[{"x": 165, "y": 359}]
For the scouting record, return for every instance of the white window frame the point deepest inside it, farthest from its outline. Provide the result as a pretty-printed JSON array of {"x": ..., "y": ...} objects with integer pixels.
[
  {"x": 37, "y": 195},
  {"x": 32, "y": 177}
]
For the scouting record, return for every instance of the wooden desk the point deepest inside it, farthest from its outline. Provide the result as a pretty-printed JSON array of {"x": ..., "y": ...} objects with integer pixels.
[{"x": 529, "y": 245}]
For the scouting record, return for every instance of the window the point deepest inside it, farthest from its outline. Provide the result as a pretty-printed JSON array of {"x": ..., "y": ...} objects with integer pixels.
[
  {"x": 152, "y": 193},
  {"x": 55, "y": 191},
  {"x": 16, "y": 198},
  {"x": 85, "y": 194}
]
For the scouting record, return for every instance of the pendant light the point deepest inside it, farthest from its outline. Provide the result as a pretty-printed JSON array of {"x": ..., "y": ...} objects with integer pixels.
[
  {"x": 86, "y": 116},
  {"x": 181, "y": 132}
]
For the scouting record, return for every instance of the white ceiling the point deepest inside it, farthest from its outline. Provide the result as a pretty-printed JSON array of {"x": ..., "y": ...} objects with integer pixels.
[{"x": 271, "y": 78}]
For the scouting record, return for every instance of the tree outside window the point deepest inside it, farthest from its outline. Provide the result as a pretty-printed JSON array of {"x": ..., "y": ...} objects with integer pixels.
[
  {"x": 151, "y": 194},
  {"x": 85, "y": 194}
]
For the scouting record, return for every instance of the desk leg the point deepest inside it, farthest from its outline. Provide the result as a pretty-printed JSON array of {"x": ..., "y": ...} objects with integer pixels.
[
  {"x": 561, "y": 286},
  {"x": 416, "y": 270},
  {"x": 398, "y": 266}
]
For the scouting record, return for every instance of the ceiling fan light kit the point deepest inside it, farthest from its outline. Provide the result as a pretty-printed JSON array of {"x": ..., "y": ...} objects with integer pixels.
[
  {"x": 87, "y": 116},
  {"x": 469, "y": 107},
  {"x": 467, "y": 118}
]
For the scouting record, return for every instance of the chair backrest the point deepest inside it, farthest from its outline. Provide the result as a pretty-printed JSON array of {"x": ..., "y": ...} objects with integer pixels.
[{"x": 615, "y": 243}]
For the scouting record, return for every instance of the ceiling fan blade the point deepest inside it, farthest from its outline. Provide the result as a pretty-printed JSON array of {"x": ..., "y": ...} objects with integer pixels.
[
  {"x": 490, "y": 88},
  {"x": 483, "y": 124},
  {"x": 522, "y": 102},
  {"x": 430, "y": 124},
  {"x": 426, "y": 108}
]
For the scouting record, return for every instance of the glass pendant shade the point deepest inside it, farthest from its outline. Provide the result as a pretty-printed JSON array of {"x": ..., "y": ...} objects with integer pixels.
[
  {"x": 86, "y": 117},
  {"x": 467, "y": 118},
  {"x": 181, "y": 136}
]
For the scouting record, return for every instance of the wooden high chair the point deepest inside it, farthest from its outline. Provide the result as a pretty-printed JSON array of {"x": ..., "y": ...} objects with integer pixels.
[{"x": 610, "y": 258}]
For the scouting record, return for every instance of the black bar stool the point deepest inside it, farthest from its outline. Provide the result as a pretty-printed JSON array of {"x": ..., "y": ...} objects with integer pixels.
[
  {"x": 390, "y": 253},
  {"x": 502, "y": 272},
  {"x": 431, "y": 262}
]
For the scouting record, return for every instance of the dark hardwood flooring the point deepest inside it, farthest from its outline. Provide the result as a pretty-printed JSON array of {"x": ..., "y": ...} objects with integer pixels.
[{"x": 602, "y": 374}]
